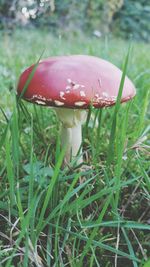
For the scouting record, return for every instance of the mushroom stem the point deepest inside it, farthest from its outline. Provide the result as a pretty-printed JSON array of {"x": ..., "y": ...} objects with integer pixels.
[
  {"x": 71, "y": 133},
  {"x": 72, "y": 139}
]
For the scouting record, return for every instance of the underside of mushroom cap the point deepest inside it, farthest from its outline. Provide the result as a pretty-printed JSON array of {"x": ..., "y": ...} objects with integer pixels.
[{"x": 76, "y": 81}]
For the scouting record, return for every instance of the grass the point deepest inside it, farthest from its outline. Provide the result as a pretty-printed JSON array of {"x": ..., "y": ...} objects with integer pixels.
[{"x": 51, "y": 216}]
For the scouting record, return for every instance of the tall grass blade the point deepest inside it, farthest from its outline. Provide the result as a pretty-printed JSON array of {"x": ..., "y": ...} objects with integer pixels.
[
  {"x": 10, "y": 172},
  {"x": 110, "y": 156},
  {"x": 129, "y": 247},
  {"x": 97, "y": 243},
  {"x": 94, "y": 232},
  {"x": 50, "y": 190},
  {"x": 30, "y": 77}
]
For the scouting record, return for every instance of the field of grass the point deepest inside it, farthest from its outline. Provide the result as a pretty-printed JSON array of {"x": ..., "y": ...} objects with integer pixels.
[{"x": 97, "y": 215}]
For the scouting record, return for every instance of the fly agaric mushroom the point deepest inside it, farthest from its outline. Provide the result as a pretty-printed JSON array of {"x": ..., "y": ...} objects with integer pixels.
[{"x": 71, "y": 84}]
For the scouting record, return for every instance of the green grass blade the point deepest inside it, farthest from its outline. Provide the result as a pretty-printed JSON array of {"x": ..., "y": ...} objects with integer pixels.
[
  {"x": 31, "y": 180},
  {"x": 144, "y": 174},
  {"x": 3, "y": 136},
  {"x": 94, "y": 232},
  {"x": 97, "y": 243},
  {"x": 117, "y": 106},
  {"x": 129, "y": 247},
  {"x": 10, "y": 173},
  {"x": 50, "y": 190},
  {"x": 121, "y": 139},
  {"x": 122, "y": 223},
  {"x": 30, "y": 77}
]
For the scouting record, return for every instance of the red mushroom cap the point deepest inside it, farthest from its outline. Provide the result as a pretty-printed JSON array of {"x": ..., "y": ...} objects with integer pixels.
[{"x": 75, "y": 81}]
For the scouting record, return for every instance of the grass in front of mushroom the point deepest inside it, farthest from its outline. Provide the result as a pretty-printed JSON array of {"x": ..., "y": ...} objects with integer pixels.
[{"x": 53, "y": 217}]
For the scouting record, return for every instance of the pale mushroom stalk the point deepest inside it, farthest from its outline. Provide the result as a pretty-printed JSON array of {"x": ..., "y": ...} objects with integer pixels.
[{"x": 71, "y": 132}]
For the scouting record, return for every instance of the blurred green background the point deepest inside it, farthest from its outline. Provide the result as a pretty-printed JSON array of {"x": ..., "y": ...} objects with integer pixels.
[{"x": 125, "y": 18}]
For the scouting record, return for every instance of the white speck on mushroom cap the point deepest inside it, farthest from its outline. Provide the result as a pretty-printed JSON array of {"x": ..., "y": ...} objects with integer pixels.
[
  {"x": 80, "y": 103},
  {"x": 95, "y": 100},
  {"x": 99, "y": 99},
  {"x": 100, "y": 82},
  {"x": 58, "y": 103},
  {"x": 40, "y": 97},
  {"x": 69, "y": 80},
  {"x": 76, "y": 86},
  {"x": 62, "y": 95},
  {"x": 40, "y": 102},
  {"x": 68, "y": 91},
  {"x": 96, "y": 95},
  {"x": 82, "y": 93},
  {"x": 68, "y": 87},
  {"x": 105, "y": 94}
]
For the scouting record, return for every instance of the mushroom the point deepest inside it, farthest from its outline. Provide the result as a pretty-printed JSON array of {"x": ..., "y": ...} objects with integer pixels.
[{"x": 71, "y": 84}]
